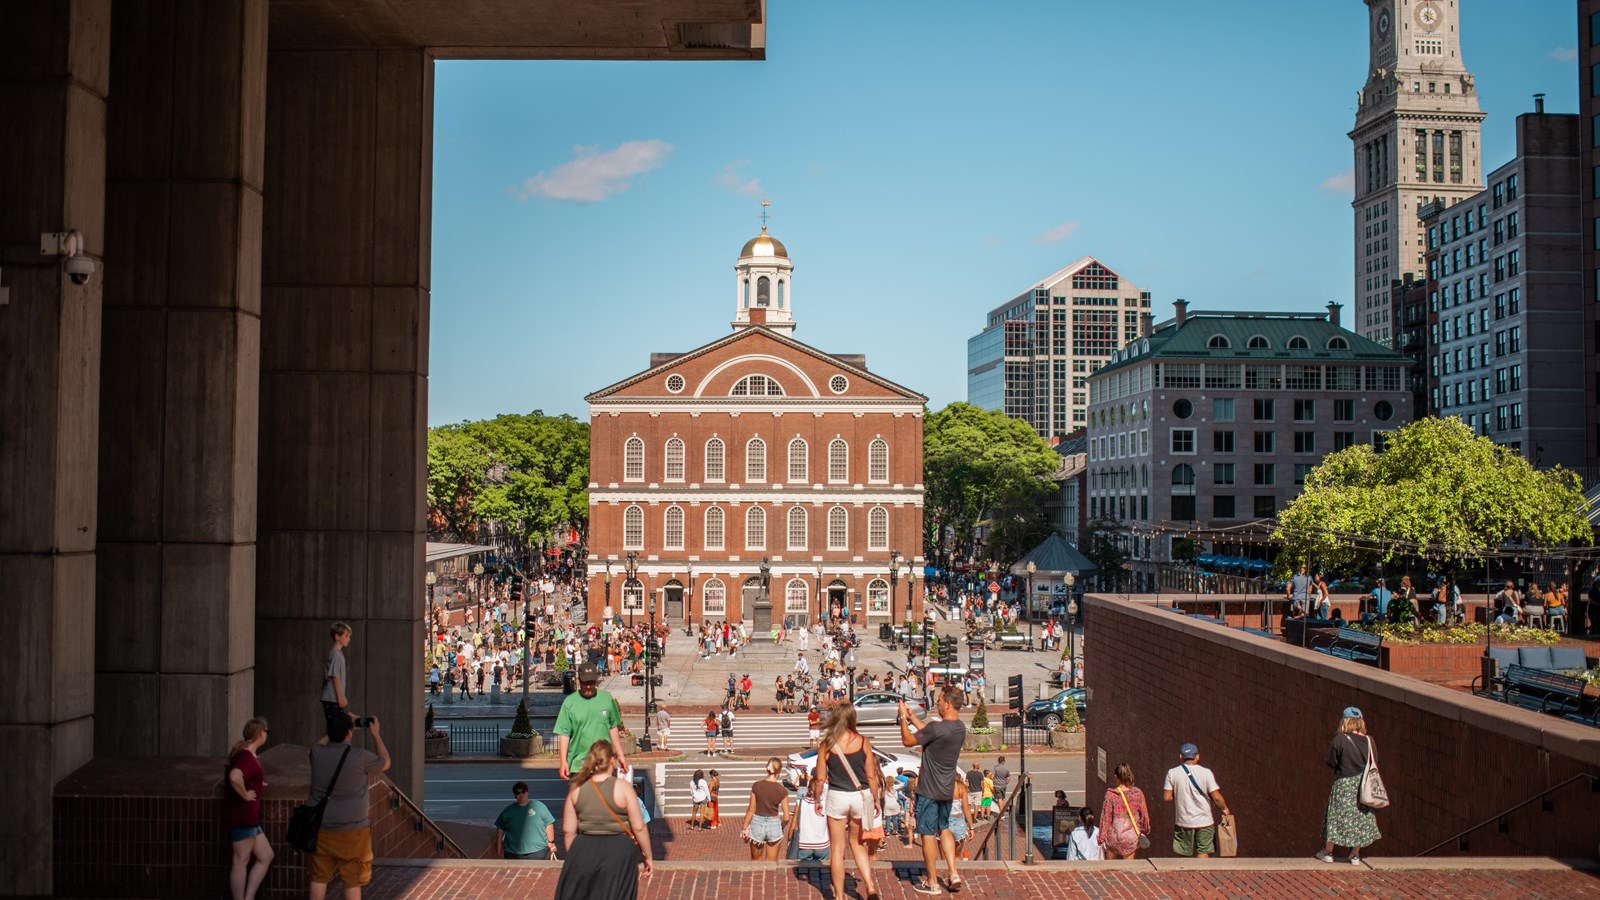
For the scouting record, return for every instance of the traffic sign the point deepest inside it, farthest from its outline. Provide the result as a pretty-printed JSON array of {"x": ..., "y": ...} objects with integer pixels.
[{"x": 994, "y": 587}]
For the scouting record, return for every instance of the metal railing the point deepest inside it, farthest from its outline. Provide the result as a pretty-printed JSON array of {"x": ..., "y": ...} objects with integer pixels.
[
  {"x": 1035, "y": 735},
  {"x": 1500, "y": 817},
  {"x": 1002, "y": 818},
  {"x": 476, "y": 738}
]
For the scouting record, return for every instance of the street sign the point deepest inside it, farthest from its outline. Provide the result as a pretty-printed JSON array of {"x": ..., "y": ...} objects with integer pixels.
[{"x": 994, "y": 587}]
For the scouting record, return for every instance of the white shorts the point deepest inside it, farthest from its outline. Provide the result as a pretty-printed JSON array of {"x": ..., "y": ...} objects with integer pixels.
[
  {"x": 815, "y": 733},
  {"x": 664, "y": 732},
  {"x": 848, "y": 804}
]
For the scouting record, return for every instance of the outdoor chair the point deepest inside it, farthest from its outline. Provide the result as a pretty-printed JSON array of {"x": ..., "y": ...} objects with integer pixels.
[{"x": 1533, "y": 615}]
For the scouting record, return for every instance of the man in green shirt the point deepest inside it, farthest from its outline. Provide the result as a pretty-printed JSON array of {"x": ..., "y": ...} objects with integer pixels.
[
  {"x": 529, "y": 831},
  {"x": 589, "y": 715}
]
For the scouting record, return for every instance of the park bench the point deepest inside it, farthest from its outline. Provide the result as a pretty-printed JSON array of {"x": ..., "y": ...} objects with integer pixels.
[
  {"x": 1013, "y": 641},
  {"x": 1354, "y": 645},
  {"x": 1546, "y": 692},
  {"x": 1549, "y": 659}
]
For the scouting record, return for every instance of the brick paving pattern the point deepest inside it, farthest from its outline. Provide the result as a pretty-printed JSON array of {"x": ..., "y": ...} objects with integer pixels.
[{"x": 465, "y": 881}]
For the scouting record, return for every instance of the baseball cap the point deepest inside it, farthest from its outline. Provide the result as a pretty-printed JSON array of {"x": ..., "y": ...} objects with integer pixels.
[
  {"x": 1188, "y": 751},
  {"x": 588, "y": 674},
  {"x": 1352, "y": 712}
]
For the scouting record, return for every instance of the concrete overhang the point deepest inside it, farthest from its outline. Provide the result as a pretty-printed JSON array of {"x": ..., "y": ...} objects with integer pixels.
[{"x": 528, "y": 29}]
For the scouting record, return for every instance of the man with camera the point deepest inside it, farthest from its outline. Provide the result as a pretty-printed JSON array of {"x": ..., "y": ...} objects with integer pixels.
[{"x": 344, "y": 843}]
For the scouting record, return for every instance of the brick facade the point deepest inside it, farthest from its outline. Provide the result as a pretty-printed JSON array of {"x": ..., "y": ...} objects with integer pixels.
[
  {"x": 713, "y": 396},
  {"x": 1263, "y": 714}
]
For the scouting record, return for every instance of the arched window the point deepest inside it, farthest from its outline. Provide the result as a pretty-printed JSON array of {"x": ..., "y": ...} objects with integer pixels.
[
  {"x": 674, "y": 460},
  {"x": 1299, "y": 343},
  {"x": 780, "y": 293},
  {"x": 633, "y": 459},
  {"x": 838, "y": 460},
  {"x": 797, "y": 528},
  {"x": 715, "y": 454},
  {"x": 747, "y": 293},
  {"x": 1338, "y": 343},
  {"x": 878, "y": 529},
  {"x": 755, "y": 529},
  {"x": 755, "y": 461},
  {"x": 713, "y": 599},
  {"x": 1258, "y": 342},
  {"x": 1219, "y": 342},
  {"x": 672, "y": 529},
  {"x": 878, "y": 461},
  {"x": 763, "y": 291},
  {"x": 796, "y": 596},
  {"x": 1144, "y": 475},
  {"x": 838, "y": 529},
  {"x": 756, "y": 386},
  {"x": 632, "y": 596},
  {"x": 1183, "y": 479},
  {"x": 633, "y": 528},
  {"x": 799, "y": 460},
  {"x": 714, "y": 528},
  {"x": 877, "y": 597}
]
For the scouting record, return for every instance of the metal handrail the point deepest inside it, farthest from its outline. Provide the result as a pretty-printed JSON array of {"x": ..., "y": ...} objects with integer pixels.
[
  {"x": 1024, "y": 783},
  {"x": 406, "y": 799},
  {"x": 1509, "y": 810}
]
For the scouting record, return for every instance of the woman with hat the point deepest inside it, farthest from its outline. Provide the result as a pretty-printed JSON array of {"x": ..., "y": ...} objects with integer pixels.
[{"x": 1348, "y": 823}]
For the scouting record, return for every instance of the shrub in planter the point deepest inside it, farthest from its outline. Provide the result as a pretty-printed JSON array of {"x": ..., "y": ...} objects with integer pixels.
[
  {"x": 435, "y": 741},
  {"x": 521, "y": 742},
  {"x": 980, "y": 719}
]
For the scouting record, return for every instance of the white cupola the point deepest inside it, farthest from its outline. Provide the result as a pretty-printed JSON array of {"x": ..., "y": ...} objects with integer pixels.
[{"x": 763, "y": 281}]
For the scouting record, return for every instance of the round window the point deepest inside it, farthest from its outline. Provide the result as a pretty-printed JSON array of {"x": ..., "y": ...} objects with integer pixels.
[
  {"x": 675, "y": 383},
  {"x": 838, "y": 384},
  {"x": 1383, "y": 410},
  {"x": 1183, "y": 409}
]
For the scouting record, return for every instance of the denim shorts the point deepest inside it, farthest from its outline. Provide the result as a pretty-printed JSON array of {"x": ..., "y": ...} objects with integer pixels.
[
  {"x": 243, "y": 834},
  {"x": 766, "y": 829},
  {"x": 933, "y": 816}
]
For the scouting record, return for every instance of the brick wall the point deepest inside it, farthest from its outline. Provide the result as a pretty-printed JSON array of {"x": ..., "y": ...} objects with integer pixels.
[
  {"x": 152, "y": 828},
  {"x": 1263, "y": 713}
]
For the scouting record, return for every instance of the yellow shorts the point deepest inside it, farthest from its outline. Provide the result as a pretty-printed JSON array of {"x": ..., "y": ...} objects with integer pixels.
[{"x": 347, "y": 852}]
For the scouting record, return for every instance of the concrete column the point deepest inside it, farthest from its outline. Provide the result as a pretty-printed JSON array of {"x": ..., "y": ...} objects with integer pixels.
[
  {"x": 54, "y": 77},
  {"x": 176, "y": 582},
  {"x": 344, "y": 388}
]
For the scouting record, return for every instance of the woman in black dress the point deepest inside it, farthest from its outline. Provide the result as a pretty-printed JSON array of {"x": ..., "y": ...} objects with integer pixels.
[{"x": 606, "y": 837}]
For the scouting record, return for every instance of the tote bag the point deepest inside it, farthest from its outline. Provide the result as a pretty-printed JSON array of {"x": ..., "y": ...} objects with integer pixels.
[{"x": 1372, "y": 795}]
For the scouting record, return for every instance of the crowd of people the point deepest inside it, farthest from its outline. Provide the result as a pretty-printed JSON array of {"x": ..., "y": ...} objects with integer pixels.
[{"x": 1545, "y": 604}]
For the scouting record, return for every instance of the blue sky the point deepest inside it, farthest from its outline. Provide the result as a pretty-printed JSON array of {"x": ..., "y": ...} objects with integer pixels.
[{"x": 925, "y": 162}]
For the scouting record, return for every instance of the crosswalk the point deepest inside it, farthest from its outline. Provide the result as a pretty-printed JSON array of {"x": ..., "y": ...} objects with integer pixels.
[{"x": 788, "y": 733}]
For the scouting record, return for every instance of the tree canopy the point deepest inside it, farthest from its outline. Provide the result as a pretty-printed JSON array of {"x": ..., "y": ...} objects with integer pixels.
[
  {"x": 1437, "y": 491},
  {"x": 981, "y": 465},
  {"x": 529, "y": 474}
]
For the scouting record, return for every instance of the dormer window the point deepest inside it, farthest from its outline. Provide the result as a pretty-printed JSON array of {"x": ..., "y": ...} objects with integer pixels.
[
  {"x": 1259, "y": 343},
  {"x": 1338, "y": 343},
  {"x": 1299, "y": 343},
  {"x": 1219, "y": 342}
]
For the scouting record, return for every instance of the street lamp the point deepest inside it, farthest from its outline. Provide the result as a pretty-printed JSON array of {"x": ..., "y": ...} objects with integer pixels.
[
  {"x": 894, "y": 587},
  {"x": 1032, "y": 568},
  {"x": 432, "y": 578},
  {"x": 1072, "y": 640},
  {"x": 630, "y": 585},
  {"x": 649, "y": 674},
  {"x": 608, "y": 586},
  {"x": 911, "y": 596},
  {"x": 477, "y": 570},
  {"x": 821, "y": 616}
]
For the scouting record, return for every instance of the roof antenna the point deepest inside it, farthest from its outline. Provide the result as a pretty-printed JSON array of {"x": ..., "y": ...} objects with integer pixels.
[{"x": 764, "y": 216}]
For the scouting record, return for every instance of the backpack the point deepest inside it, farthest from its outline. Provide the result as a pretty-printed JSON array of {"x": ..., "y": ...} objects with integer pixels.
[{"x": 727, "y": 719}]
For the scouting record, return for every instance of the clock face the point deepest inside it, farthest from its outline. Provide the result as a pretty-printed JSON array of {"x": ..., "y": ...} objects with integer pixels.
[
  {"x": 1383, "y": 23},
  {"x": 1428, "y": 16}
]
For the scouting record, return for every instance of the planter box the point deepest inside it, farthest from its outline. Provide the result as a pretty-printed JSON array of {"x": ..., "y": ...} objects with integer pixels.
[
  {"x": 1068, "y": 740},
  {"x": 629, "y": 742},
  {"x": 977, "y": 740},
  {"x": 1439, "y": 663},
  {"x": 435, "y": 747},
  {"x": 521, "y": 747}
]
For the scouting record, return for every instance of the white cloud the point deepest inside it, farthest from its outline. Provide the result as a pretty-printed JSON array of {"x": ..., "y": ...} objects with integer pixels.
[
  {"x": 1563, "y": 54},
  {"x": 593, "y": 175},
  {"x": 1057, "y": 234},
  {"x": 735, "y": 181},
  {"x": 1342, "y": 183}
]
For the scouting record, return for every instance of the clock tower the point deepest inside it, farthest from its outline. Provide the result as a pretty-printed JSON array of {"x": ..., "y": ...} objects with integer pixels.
[{"x": 1416, "y": 141}]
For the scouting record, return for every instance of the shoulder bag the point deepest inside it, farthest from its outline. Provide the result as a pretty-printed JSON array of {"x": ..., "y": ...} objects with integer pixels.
[
  {"x": 872, "y": 827},
  {"x": 613, "y": 811},
  {"x": 1227, "y": 825},
  {"x": 1144, "y": 839},
  {"x": 306, "y": 820},
  {"x": 1372, "y": 794}
]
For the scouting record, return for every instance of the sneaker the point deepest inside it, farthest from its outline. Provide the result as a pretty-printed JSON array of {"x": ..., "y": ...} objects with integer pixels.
[
  {"x": 1355, "y": 860},
  {"x": 927, "y": 887},
  {"x": 1325, "y": 857}
]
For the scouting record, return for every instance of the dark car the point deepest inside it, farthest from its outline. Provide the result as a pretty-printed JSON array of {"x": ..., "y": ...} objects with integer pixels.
[{"x": 1048, "y": 712}]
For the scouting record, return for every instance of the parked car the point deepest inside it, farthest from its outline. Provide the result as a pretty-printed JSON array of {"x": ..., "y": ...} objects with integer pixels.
[
  {"x": 1049, "y": 711},
  {"x": 882, "y": 707}
]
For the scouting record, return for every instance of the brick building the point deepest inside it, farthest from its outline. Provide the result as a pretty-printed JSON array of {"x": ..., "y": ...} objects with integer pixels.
[{"x": 756, "y": 448}]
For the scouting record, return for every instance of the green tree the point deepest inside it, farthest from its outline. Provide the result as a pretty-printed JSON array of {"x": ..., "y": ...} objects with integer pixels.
[
  {"x": 1437, "y": 485},
  {"x": 1103, "y": 545},
  {"x": 528, "y": 474},
  {"x": 981, "y": 464},
  {"x": 1185, "y": 550}
]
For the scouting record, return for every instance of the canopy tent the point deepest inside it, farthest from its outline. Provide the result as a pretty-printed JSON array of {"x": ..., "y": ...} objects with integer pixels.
[
  {"x": 1053, "y": 558},
  {"x": 439, "y": 552}
]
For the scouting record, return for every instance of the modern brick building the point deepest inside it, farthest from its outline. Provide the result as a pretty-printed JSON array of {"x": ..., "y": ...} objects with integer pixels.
[
  {"x": 1033, "y": 358},
  {"x": 756, "y": 448},
  {"x": 1589, "y": 216},
  {"x": 1215, "y": 418},
  {"x": 1505, "y": 299}
]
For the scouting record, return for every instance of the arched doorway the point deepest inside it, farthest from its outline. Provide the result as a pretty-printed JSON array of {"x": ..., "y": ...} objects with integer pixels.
[
  {"x": 838, "y": 601},
  {"x": 672, "y": 609}
]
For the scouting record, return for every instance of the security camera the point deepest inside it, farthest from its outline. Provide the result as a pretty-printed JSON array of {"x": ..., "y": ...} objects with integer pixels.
[{"x": 80, "y": 268}]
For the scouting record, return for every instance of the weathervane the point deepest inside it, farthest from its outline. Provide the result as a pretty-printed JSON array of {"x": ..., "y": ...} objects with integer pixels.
[{"x": 764, "y": 215}]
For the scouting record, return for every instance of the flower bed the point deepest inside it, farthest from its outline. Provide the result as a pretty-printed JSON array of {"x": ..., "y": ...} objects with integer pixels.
[{"x": 1470, "y": 633}]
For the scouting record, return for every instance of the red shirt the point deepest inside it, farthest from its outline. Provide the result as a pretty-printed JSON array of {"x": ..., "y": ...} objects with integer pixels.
[{"x": 238, "y": 812}]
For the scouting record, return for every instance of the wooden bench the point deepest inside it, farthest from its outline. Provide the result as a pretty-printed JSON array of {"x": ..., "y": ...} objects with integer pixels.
[
  {"x": 1354, "y": 645},
  {"x": 1546, "y": 692}
]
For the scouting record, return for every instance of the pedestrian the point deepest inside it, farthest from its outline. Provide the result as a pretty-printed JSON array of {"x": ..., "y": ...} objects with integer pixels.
[
  {"x": 766, "y": 817},
  {"x": 713, "y": 807},
  {"x": 960, "y": 815},
  {"x": 589, "y": 716},
  {"x": 1002, "y": 779},
  {"x": 813, "y": 727},
  {"x": 336, "y": 674},
  {"x": 941, "y": 749},
  {"x": 344, "y": 844},
  {"x": 699, "y": 795},
  {"x": 1084, "y": 842},
  {"x": 725, "y": 726},
  {"x": 1124, "y": 817},
  {"x": 1321, "y": 599},
  {"x": 241, "y": 812},
  {"x": 527, "y": 829},
  {"x": 975, "y": 780},
  {"x": 1298, "y": 593},
  {"x": 1192, "y": 788},
  {"x": 663, "y": 725},
  {"x": 811, "y": 832},
  {"x": 604, "y": 830},
  {"x": 850, "y": 793},
  {"x": 986, "y": 804},
  {"x": 710, "y": 728},
  {"x": 1348, "y": 823},
  {"x": 433, "y": 680}
]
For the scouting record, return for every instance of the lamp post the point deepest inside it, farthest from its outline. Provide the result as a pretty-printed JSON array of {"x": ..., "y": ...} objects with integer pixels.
[
  {"x": 527, "y": 638},
  {"x": 821, "y": 617},
  {"x": 1072, "y": 638},
  {"x": 608, "y": 585},
  {"x": 631, "y": 583},
  {"x": 477, "y": 572},
  {"x": 433, "y": 611},
  {"x": 911, "y": 596},
  {"x": 1032, "y": 568},
  {"x": 649, "y": 674},
  {"x": 894, "y": 587}
]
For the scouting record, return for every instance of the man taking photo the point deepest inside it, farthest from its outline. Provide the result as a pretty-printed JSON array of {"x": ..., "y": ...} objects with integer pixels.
[{"x": 936, "y": 785}]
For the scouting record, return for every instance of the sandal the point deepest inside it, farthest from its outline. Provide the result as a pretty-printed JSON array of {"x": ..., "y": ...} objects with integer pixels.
[
  {"x": 955, "y": 885},
  {"x": 926, "y": 887}
]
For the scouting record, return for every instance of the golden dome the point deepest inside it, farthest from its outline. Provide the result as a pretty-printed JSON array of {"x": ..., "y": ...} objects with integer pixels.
[{"x": 764, "y": 244}]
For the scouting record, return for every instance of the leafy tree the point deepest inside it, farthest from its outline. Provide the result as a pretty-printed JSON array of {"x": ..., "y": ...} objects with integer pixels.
[
  {"x": 1437, "y": 485},
  {"x": 1102, "y": 544},
  {"x": 1185, "y": 550},
  {"x": 521, "y": 726},
  {"x": 980, "y": 464},
  {"x": 527, "y": 474}
]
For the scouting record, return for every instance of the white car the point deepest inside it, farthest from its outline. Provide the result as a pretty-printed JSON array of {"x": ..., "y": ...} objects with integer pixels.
[{"x": 889, "y": 764}]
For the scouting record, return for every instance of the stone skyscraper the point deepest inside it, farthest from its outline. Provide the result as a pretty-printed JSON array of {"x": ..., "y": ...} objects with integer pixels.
[{"x": 1416, "y": 140}]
